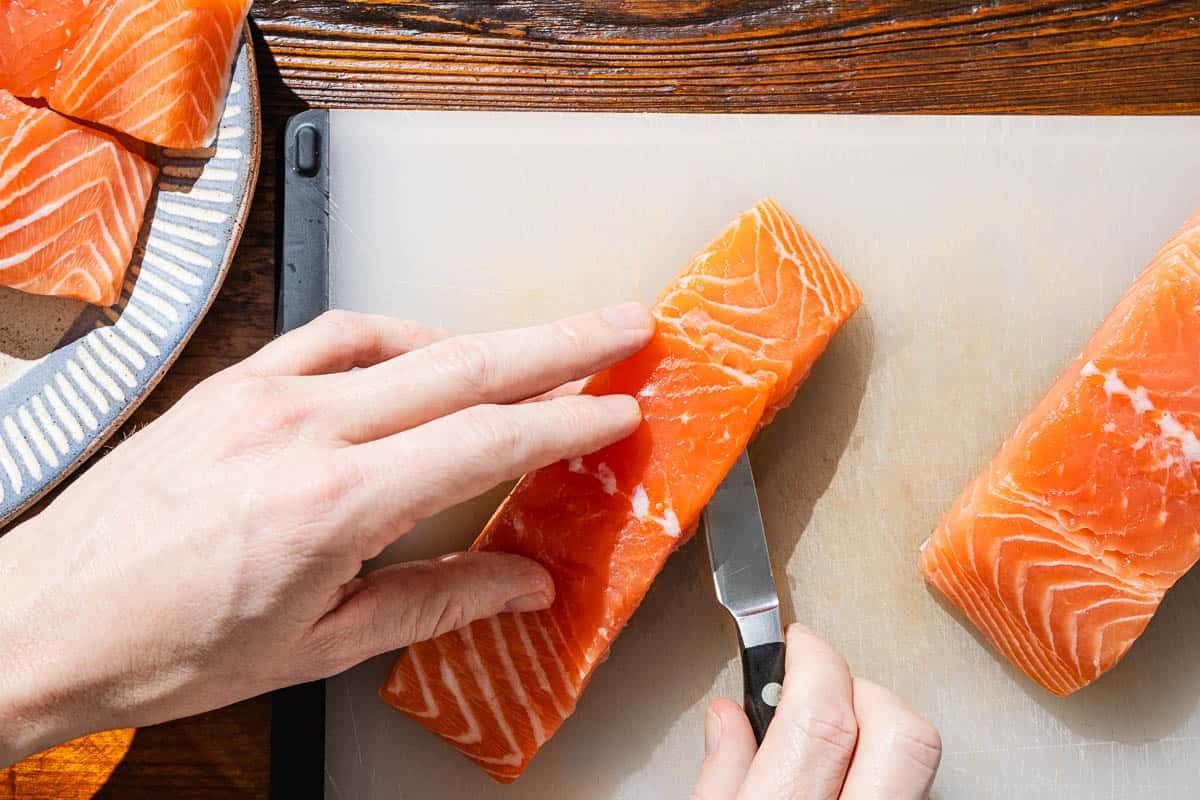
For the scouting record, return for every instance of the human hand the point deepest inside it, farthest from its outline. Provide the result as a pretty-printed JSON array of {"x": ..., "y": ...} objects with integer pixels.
[
  {"x": 834, "y": 737},
  {"x": 214, "y": 555}
]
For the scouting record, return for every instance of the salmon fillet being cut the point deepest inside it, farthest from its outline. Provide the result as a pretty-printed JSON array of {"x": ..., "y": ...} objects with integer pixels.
[
  {"x": 737, "y": 331},
  {"x": 1062, "y": 549},
  {"x": 157, "y": 70},
  {"x": 71, "y": 205}
]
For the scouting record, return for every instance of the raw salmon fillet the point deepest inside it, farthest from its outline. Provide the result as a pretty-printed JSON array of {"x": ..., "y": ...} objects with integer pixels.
[
  {"x": 71, "y": 205},
  {"x": 157, "y": 70},
  {"x": 737, "y": 331},
  {"x": 1062, "y": 549}
]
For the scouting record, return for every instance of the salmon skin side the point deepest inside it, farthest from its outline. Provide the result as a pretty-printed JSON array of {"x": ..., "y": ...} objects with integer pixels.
[
  {"x": 72, "y": 201},
  {"x": 1061, "y": 550},
  {"x": 736, "y": 332},
  {"x": 157, "y": 70}
]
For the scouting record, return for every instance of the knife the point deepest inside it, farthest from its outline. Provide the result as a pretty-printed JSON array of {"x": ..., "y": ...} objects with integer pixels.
[{"x": 741, "y": 567}]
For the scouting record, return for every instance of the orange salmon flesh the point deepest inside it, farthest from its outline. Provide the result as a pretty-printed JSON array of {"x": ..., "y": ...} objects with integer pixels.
[
  {"x": 737, "y": 331},
  {"x": 1062, "y": 548}
]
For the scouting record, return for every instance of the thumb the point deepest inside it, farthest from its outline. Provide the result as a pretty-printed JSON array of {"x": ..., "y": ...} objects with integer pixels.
[
  {"x": 729, "y": 748},
  {"x": 398, "y": 605}
]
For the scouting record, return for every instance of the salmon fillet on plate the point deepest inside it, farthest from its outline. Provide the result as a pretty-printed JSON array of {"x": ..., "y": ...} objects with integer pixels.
[
  {"x": 156, "y": 70},
  {"x": 72, "y": 201}
]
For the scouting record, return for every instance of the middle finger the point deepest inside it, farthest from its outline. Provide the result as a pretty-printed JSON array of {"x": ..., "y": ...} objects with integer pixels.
[{"x": 465, "y": 371}]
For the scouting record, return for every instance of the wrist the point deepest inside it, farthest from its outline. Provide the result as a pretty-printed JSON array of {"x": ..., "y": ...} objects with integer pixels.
[{"x": 40, "y": 703}]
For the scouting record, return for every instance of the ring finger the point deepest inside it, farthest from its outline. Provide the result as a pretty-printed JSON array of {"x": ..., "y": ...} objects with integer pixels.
[{"x": 898, "y": 752}]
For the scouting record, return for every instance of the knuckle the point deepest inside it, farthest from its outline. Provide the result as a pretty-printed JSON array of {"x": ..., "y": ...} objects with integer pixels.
[
  {"x": 449, "y": 614},
  {"x": 829, "y": 727},
  {"x": 349, "y": 332},
  {"x": 569, "y": 334},
  {"x": 472, "y": 361},
  {"x": 919, "y": 741},
  {"x": 328, "y": 656},
  {"x": 494, "y": 433}
]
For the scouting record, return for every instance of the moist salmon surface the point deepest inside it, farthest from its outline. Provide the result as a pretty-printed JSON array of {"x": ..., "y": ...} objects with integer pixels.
[
  {"x": 1061, "y": 550},
  {"x": 736, "y": 332}
]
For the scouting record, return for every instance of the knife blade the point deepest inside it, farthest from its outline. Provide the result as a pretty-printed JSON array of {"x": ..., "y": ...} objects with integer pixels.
[{"x": 741, "y": 567}]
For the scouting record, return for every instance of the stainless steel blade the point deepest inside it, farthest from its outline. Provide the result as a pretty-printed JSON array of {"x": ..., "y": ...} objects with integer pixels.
[{"x": 737, "y": 547}]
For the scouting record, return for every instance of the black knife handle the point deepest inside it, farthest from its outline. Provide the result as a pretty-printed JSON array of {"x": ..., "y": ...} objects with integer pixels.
[{"x": 762, "y": 673}]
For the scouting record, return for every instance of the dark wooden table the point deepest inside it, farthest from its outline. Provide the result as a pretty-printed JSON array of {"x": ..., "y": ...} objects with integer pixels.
[{"x": 644, "y": 55}]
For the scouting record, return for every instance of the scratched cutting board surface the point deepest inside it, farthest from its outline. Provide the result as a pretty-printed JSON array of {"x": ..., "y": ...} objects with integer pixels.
[{"x": 987, "y": 249}]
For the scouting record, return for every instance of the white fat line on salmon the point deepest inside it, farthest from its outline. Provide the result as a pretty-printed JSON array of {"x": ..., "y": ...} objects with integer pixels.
[
  {"x": 59, "y": 168},
  {"x": 991, "y": 615},
  {"x": 22, "y": 447},
  {"x": 641, "y": 511},
  {"x": 49, "y": 425},
  {"x": 484, "y": 680},
  {"x": 63, "y": 413},
  {"x": 1114, "y": 386},
  {"x": 395, "y": 686},
  {"x": 1075, "y": 617},
  {"x": 1172, "y": 428},
  {"x": 128, "y": 50},
  {"x": 571, "y": 690},
  {"x": 1102, "y": 630},
  {"x": 41, "y": 213},
  {"x": 584, "y": 657},
  {"x": 514, "y": 680},
  {"x": 603, "y": 473},
  {"x": 787, "y": 254},
  {"x": 538, "y": 672},
  {"x": 474, "y": 733}
]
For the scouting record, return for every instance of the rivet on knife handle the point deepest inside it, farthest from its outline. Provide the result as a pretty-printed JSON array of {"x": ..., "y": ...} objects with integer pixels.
[{"x": 762, "y": 671}]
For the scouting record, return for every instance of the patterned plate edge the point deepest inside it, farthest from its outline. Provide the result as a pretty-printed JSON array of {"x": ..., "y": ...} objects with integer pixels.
[{"x": 241, "y": 212}]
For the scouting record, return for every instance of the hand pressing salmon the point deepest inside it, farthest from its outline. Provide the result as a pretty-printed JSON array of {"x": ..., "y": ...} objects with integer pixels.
[{"x": 737, "y": 331}]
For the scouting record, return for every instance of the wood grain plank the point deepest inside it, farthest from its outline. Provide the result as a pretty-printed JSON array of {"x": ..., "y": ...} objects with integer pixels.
[{"x": 646, "y": 55}]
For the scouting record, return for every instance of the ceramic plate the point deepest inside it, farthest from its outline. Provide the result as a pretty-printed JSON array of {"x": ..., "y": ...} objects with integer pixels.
[{"x": 70, "y": 373}]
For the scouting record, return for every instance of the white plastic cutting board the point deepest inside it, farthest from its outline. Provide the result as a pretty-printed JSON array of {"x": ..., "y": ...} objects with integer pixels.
[{"x": 987, "y": 249}]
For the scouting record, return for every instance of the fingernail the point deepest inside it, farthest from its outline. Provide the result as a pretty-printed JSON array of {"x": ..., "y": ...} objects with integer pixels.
[
  {"x": 534, "y": 601},
  {"x": 631, "y": 316},
  {"x": 712, "y": 733}
]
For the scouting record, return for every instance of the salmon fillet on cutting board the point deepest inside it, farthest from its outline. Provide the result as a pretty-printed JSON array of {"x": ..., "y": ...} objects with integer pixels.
[
  {"x": 72, "y": 201},
  {"x": 1062, "y": 549},
  {"x": 157, "y": 70},
  {"x": 737, "y": 331}
]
